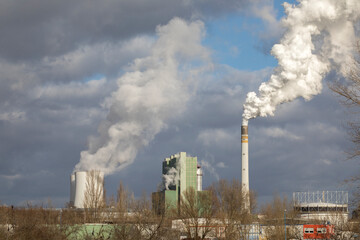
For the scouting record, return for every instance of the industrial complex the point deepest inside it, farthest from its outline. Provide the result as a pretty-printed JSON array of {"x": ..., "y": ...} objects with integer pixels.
[
  {"x": 317, "y": 212},
  {"x": 180, "y": 173}
]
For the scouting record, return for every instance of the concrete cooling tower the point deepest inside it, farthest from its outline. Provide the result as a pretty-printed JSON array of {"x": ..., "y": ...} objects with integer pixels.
[{"x": 78, "y": 186}]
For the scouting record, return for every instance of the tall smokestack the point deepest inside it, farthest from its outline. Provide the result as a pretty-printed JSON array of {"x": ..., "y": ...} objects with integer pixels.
[
  {"x": 245, "y": 158},
  {"x": 245, "y": 165}
]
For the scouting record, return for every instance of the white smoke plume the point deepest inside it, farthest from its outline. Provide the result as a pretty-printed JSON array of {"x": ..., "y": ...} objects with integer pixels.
[
  {"x": 320, "y": 36},
  {"x": 209, "y": 167},
  {"x": 157, "y": 89},
  {"x": 171, "y": 178}
]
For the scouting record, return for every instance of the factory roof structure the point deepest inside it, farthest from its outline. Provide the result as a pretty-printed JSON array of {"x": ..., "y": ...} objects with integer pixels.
[{"x": 329, "y": 206}]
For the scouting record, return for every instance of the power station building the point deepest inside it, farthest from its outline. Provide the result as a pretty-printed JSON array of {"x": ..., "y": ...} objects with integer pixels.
[{"x": 180, "y": 173}]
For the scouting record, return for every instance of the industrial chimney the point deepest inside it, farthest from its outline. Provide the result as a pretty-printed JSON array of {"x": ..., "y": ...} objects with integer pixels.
[
  {"x": 199, "y": 175},
  {"x": 245, "y": 158},
  {"x": 245, "y": 165}
]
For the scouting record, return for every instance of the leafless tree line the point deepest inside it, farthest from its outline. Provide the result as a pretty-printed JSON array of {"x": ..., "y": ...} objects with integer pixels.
[
  {"x": 200, "y": 216},
  {"x": 130, "y": 218}
]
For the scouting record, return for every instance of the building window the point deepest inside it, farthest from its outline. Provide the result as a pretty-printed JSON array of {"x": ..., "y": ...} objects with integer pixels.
[
  {"x": 321, "y": 230},
  {"x": 309, "y": 230}
]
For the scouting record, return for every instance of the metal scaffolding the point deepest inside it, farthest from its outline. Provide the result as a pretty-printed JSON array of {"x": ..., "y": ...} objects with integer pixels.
[
  {"x": 321, "y": 201},
  {"x": 332, "y": 197}
]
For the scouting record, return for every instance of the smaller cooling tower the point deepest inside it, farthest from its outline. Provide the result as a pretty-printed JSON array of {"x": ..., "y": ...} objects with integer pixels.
[
  {"x": 80, "y": 188},
  {"x": 72, "y": 189},
  {"x": 199, "y": 174}
]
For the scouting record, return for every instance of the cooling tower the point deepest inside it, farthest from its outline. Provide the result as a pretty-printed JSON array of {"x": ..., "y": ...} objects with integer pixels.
[
  {"x": 72, "y": 189},
  {"x": 80, "y": 188},
  {"x": 83, "y": 180},
  {"x": 199, "y": 175}
]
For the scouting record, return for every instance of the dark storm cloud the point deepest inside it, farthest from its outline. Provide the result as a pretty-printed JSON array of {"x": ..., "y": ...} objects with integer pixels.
[
  {"x": 50, "y": 104},
  {"x": 50, "y": 98},
  {"x": 37, "y": 28},
  {"x": 39, "y": 150}
]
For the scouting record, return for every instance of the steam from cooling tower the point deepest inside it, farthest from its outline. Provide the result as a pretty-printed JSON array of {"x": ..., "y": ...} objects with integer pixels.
[
  {"x": 156, "y": 89},
  {"x": 320, "y": 36}
]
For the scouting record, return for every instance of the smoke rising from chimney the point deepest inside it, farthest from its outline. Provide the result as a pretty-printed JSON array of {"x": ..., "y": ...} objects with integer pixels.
[
  {"x": 157, "y": 89},
  {"x": 171, "y": 178},
  {"x": 320, "y": 36}
]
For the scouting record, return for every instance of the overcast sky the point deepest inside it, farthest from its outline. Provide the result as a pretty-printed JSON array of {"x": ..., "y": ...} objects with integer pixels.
[{"x": 62, "y": 64}]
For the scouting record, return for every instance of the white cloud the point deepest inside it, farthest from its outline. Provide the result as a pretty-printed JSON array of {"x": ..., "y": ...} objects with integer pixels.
[
  {"x": 221, "y": 165},
  {"x": 104, "y": 57},
  {"x": 326, "y": 130},
  {"x": 208, "y": 166},
  {"x": 326, "y": 161},
  {"x": 11, "y": 177},
  {"x": 265, "y": 10},
  {"x": 14, "y": 116},
  {"x": 70, "y": 90},
  {"x": 276, "y": 132},
  {"x": 219, "y": 137}
]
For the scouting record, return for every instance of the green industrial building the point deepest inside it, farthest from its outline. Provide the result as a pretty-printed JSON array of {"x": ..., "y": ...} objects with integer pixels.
[{"x": 180, "y": 172}]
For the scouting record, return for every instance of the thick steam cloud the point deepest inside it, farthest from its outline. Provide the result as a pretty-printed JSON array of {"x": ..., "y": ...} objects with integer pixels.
[
  {"x": 157, "y": 89},
  {"x": 320, "y": 36}
]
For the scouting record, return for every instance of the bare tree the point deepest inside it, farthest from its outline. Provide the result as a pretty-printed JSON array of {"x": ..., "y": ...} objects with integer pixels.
[
  {"x": 278, "y": 214},
  {"x": 94, "y": 199},
  {"x": 196, "y": 213},
  {"x": 230, "y": 208},
  {"x": 349, "y": 92},
  {"x": 350, "y": 97},
  {"x": 135, "y": 219},
  {"x": 122, "y": 201},
  {"x": 33, "y": 222},
  {"x": 346, "y": 230},
  {"x": 341, "y": 228}
]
